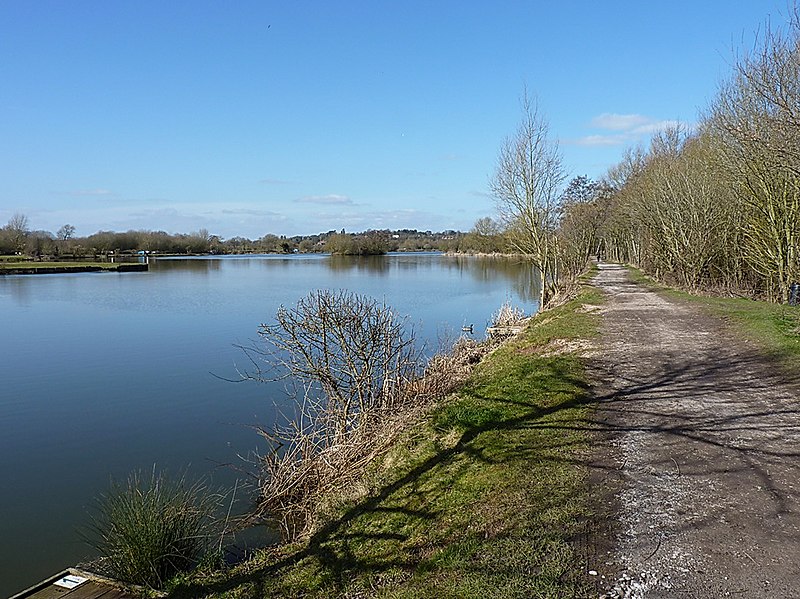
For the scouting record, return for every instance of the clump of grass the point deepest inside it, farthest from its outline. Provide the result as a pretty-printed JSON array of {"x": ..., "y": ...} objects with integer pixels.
[{"x": 150, "y": 528}]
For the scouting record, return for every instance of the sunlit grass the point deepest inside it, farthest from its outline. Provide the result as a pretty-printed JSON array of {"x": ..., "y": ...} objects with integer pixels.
[{"x": 66, "y": 265}]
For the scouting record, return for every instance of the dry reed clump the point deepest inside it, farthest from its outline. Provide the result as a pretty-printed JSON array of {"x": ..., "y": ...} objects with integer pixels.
[
  {"x": 508, "y": 316},
  {"x": 446, "y": 371},
  {"x": 361, "y": 386},
  {"x": 566, "y": 291}
]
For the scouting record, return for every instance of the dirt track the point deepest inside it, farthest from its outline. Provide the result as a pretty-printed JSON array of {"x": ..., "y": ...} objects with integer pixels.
[{"x": 698, "y": 463}]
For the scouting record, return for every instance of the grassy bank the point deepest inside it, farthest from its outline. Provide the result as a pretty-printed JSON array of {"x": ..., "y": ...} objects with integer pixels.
[
  {"x": 774, "y": 327},
  {"x": 483, "y": 498},
  {"x": 7, "y": 267}
]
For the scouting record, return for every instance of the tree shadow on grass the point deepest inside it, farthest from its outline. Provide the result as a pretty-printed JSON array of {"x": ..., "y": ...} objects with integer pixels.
[{"x": 334, "y": 548}]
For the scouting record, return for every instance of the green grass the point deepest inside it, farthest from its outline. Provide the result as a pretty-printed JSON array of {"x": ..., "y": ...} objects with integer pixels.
[
  {"x": 774, "y": 327},
  {"x": 36, "y": 265},
  {"x": 484, "y": 498},
  {"x": 65, "y": 267}
]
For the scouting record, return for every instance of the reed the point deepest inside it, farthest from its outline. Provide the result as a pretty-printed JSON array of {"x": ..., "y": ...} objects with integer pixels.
[{"x": 151, "y": 527}]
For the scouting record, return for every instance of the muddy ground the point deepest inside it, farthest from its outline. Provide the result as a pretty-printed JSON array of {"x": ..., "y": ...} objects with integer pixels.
[{"x": 698, "y": 463}]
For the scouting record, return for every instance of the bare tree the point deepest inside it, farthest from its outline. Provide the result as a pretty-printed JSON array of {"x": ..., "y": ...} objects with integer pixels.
[
  {"x": 527, "y": 189},
  {"x": 349, "y": 362},
  {"x": 65, "y": 233},
  {"x": 486, "y": 236},
  {"x": 352, "y": 349},
  {"x": 757, "y": 115},
  {"x": 18, "y": 230}
]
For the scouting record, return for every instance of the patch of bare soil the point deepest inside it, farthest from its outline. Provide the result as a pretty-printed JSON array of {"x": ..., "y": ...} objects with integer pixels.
[
  {"x": 697, "y": 466},
  {"x": 557, "y": 347}
]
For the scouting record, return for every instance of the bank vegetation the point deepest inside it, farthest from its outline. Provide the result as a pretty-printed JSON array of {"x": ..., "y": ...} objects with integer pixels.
[{"x": 457, "y": 477}]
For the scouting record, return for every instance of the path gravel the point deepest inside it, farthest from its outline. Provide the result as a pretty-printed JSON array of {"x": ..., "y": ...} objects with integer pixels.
[{"x": 698, "y": 465}]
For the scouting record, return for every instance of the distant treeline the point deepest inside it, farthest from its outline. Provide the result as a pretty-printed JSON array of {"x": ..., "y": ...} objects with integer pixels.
[{"x": 17, "y": 238}]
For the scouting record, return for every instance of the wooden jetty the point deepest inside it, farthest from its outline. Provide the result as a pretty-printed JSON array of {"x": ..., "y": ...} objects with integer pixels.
[{"x": 76, "y": 584}]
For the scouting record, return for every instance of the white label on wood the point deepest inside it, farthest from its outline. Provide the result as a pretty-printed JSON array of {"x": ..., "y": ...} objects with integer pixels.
[{"x": 70, "y": 582}]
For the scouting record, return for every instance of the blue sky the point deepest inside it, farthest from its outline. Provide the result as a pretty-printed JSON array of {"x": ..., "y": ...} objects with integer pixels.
[{"x": 247, "y": 118}]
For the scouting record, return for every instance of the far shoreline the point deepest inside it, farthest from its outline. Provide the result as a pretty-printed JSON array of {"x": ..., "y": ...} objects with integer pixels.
[{"x": 46, "y": 268}]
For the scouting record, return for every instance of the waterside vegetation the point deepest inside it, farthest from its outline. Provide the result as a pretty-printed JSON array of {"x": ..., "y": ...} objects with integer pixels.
[
  {"x": 152, "y": 527},
  {"x": 478, "y": 494},
  {"x": 719, "y": 207},
  {"x": 17, "y": 239},
  {"x": 16, "y": 267}
]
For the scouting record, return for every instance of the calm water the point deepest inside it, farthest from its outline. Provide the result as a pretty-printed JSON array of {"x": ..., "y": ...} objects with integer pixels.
[{"x": 102, "y": 374}]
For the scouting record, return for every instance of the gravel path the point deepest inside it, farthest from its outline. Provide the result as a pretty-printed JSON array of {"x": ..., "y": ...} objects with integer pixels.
[{"x": 700, "y": 465}]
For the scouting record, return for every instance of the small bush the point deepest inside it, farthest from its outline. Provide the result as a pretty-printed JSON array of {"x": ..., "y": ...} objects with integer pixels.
[{"x": 149, "y": 529}]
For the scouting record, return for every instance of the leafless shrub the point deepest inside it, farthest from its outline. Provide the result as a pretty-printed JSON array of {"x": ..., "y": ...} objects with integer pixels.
[
  {"x": 348, "y": 358},
  {"x": 360, "y": 381}
]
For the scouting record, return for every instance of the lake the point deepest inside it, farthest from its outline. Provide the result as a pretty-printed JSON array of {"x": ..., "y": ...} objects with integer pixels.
[{"x": 105, "y": 373}]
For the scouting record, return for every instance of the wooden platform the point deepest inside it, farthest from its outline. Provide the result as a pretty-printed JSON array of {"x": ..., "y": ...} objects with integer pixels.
[{"x": 75, "y": 584}]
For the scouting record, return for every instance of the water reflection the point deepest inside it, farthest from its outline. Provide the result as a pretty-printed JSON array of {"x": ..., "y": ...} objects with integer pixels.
[
  {"x": 17, "y": 288},
  {"x": 128, "y": 359},
  {"x": 378, "y": 265},
  {"x": 195, "y": 265},
  {"x": 523, "y": 276}
]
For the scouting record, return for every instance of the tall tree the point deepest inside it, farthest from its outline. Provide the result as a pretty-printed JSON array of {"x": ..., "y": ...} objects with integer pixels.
[
  {"x": 527, "y": 190},
  {"x": 65, "y": 233},
  {"x": 757, "y": 115},
  {"x": 18, "y": 230}
]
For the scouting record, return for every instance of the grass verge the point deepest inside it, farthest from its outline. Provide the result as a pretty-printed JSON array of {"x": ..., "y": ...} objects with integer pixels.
[
  {"x": 483, "y": 498},
  {"x": 773, "y": 327},
  {"x": 63, "y": 267}
]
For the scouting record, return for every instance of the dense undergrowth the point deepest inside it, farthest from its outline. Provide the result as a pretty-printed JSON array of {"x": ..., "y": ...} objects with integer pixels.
[{"x": 485, "y": 496}]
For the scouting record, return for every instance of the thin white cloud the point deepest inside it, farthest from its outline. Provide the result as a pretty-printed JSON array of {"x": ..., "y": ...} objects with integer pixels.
[
  {"x": 622, "y": 129},
  {"x": 326, "y": 200},
  {"x": 601, "y": 140},
  {"x": 248, "y": 212},
  {"x": 157, "y": 213},
  {"x": 409, "y": 218},
  {"x": 619, "y": 122},
  {"x": 655, "y": 127}
]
